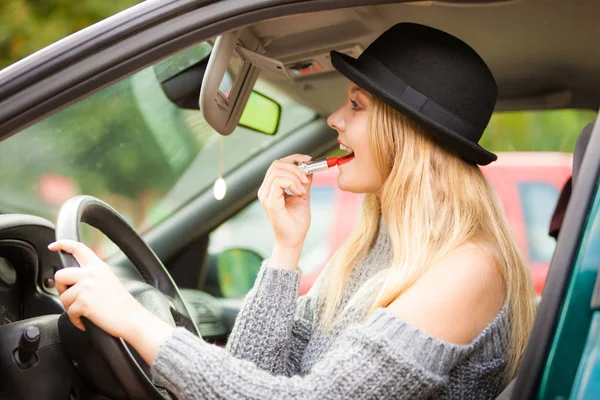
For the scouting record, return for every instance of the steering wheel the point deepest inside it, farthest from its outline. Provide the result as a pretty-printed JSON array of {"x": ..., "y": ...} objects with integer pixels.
[{"x": 159, "y": 294}]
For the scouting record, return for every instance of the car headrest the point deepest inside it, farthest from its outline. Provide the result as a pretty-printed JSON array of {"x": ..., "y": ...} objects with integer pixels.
[
  {"x": 565, "y": 194},
  {"x": 580, "y": 146}
]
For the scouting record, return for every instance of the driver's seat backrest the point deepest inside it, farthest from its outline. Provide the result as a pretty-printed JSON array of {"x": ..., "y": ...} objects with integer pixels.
[
  {"x": 559, "y": 212},
  {"x": 565, "y": 194}
]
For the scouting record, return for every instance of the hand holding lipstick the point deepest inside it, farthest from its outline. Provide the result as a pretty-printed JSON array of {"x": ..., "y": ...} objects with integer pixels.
[{"x": 289, "y": 214}]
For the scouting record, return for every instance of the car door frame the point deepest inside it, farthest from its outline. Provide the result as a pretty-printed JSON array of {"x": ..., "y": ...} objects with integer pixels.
[
  {"x": 117, "y": 47},
  {"x": 560, "y": 274}
]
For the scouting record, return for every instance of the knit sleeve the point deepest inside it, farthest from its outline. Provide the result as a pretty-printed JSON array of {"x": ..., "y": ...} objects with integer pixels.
[
  {"x": 383, "y": 358},
  {"x": 274, "y": 325}
]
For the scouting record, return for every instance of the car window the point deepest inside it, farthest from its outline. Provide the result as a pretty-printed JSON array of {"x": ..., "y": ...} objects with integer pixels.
[
  {"x": 130, "y": 146},
  {"x": 538, "y": 130},
  {"x": 538, "y": 200},
  {"x": 508, "y": 132},
  {"x": 250, "y": 230},
  {"x": 28, "y": 26}
]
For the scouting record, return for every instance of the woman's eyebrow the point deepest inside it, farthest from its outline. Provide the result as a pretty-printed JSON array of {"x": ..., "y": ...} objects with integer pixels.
[{"x": 360, "y": 91}]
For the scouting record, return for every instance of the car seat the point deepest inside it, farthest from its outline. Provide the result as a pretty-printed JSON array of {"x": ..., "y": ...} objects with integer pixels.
[
  {"x": 565, "y": 194},
  {"x": 559, "y": 212}
]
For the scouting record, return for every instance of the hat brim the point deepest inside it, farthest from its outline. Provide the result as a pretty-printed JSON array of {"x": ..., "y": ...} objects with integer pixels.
[{"x": 470, "y": 151}]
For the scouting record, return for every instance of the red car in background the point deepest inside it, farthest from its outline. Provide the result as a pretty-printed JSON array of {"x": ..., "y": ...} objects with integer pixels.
[{"x": 528, "y": 185}]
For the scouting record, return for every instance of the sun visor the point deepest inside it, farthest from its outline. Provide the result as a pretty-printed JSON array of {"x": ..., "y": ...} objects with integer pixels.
[{"x": 230, "y": 75}]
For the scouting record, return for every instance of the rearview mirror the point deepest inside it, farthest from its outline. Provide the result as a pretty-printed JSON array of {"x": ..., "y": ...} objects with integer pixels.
[
  {"x": 261, "y": 114},
  {"x": 237, "y": 270},
  {"x": 180, "y": 78}
]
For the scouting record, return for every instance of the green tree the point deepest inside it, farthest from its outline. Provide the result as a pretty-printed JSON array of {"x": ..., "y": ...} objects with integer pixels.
[
  {"x": 553, "y": 130},
  {"x": 29, "y": 25}
]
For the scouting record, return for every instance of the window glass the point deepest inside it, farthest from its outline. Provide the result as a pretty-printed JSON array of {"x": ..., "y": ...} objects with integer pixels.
[
  {"x": 549, "y": 130},
  {"x": 28, "y": 26},
  {"x": 317, "y": 245},
  {"x": 539, "y": 200},
  {"x": 250, "y": 230},
  {"x": 530, "y": 131},
  {"x": 130, "y": 146}
]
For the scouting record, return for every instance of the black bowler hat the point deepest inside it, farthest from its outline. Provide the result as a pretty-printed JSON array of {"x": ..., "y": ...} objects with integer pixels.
[{"x": 432, "y": 77}]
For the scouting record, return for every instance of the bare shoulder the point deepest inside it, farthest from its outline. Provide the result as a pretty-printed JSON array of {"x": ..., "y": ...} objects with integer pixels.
[{"x": 456, "y": 298}]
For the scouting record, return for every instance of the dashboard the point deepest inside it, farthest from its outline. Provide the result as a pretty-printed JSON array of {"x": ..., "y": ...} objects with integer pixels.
[
  {"x": 37, "y": 341},
  {"x": 10, "y": 298},
  {"x": 25, "y": 264},
  {"x": 27, "y": 270}
]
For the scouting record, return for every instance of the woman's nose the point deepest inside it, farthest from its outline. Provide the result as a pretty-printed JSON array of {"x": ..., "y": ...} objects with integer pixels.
[{"x": 335, "y": 121}]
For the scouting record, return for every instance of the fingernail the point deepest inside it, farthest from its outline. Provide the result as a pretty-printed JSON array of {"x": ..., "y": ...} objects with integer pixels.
[{"x": 304, "y": 179}]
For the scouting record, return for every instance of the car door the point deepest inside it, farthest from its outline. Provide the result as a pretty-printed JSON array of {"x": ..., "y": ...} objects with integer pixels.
[{"x": 562, "y": 359}]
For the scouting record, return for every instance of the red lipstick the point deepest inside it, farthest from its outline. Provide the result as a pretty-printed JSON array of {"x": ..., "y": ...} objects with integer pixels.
[
  {"x": 323, "y": 164},
  {"x": 347, "y": 158}
]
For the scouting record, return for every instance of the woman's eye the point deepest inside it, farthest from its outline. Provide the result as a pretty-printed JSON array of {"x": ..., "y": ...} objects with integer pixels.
[{"x": 354, "y": 105}]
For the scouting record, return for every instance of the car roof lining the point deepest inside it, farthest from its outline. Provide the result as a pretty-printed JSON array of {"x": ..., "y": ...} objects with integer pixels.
[
  {"x": 534, "y": 47},
  {"x": 538, "y": 50}
]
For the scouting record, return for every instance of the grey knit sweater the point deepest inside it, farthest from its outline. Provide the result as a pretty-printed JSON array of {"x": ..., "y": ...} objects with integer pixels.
[{"x": 276, "y": 352}]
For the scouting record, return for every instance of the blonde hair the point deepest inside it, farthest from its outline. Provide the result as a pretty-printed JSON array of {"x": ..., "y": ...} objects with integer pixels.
[{"x": 432, "y": 202}]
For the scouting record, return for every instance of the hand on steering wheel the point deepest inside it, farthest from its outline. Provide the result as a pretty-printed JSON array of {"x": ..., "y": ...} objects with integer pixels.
[
  {"x": 98, "y": 302},
  {"x": 94, "y": 291}
]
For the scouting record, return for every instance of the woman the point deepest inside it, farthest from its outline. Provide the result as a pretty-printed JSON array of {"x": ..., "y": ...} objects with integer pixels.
[{"x": 429, "y": 298}]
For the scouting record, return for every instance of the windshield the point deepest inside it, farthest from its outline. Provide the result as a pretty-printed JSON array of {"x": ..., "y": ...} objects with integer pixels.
[{"x": 130, "y": 146}]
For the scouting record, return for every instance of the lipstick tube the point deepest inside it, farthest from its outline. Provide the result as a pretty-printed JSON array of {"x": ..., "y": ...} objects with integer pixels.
[{"x": 319, "y": 165}]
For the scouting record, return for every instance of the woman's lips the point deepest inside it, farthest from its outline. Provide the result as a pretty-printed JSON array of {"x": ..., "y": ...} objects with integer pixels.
[{"x": 345, "y": 159}]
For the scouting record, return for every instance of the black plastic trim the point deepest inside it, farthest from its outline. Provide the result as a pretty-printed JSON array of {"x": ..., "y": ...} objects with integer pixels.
[
  {"x": 90, "y": 66},
  {"x": 36, "y": 232},
  {"x": 559, "y": 275}
]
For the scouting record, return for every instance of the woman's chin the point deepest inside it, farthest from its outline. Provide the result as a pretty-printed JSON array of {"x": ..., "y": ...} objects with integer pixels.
[
  {"x": 347, "y": 184},
  {"x": 349, "y": 180}
]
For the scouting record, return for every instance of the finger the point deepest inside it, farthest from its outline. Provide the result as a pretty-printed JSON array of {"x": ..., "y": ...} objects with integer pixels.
[
  {"x": 83, "y": 254},
  {"x": 262, "y": 190},
  {"x": 274, "y": 196},
  {"x": 308, "y": 185},
  {"x": 288, "y": 163},
  {"x": 75, "y": 312},
  {"x": 297, "y": 187},
  {"x": 277, "y": 191},
  {"x": 280, "y": 165},
  {"x": 281, "y": 183},
  {"x": 294, "y": 184},
  {"x": 293, "y": 168},
  {"x": 68, "y": 297},
  {"x": 68, "y": 277},
  {"x": 294, "y": 158}
]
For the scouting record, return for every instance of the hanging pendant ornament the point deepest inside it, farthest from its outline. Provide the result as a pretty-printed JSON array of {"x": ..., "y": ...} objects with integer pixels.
[{"x": 220, "y": 187}]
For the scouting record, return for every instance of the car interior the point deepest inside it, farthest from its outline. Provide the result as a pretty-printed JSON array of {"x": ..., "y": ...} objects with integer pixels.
[{"x": 540, "y": 52}]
